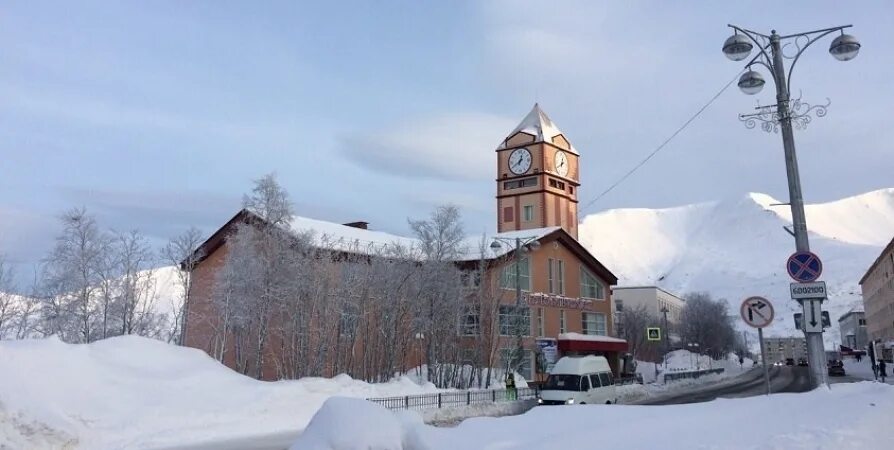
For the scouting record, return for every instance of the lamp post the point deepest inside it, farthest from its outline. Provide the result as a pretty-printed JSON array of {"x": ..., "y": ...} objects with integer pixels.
[
  {"x": 521, "y": 245},
  {"x": 785, "y": 113},
  {"x": 664, "y": 312},
  {"x": 695, "y": 346}
]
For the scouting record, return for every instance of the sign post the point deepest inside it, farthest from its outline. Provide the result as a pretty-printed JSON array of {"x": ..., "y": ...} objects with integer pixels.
[
  {"x": 758, "y": 313},
  {"x": 805, "y": 268}
]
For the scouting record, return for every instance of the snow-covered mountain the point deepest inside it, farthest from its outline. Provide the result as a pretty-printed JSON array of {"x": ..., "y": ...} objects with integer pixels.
[{"x": 737, "y": 247}]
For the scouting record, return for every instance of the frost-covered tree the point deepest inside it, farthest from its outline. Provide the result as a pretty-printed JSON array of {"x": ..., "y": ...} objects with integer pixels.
[
  {"x": 182, "y": 252},
  {"x": 705, "y": 321},
  {"x": 9, "y": 308},
  {"x": 73, "y": 274}
]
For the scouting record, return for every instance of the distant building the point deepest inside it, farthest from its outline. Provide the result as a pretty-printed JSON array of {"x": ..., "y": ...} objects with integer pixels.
[
  {"x": 653, "y": 298},
  {"x": 781, "y": 348},
  {"x": 878, "y": 301},
  {"x": 853, "y": 329}
]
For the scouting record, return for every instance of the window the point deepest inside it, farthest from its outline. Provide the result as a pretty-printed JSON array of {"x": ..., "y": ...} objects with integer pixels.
[
  {"x": 509, "y": 319},
  {"x": 593, "y": 323},
  {"x": 556, "y": 272},
  {"x": 528, "y": 213},
  {"x": 556, "y": 184},
  {"x": 539, "y": 321},
  {"x": 584, "y": 383},
  {"x": 561, "y": 276},
  {"x": 561, "y": 321},
  {"x": 619, "y": 305},
  {"x": 561, "y": 382},
  {"x": 507, "y": 277},
  {"x": 861, "y": 322},
  {"x": 590, "y": 286},
  {"x": 471, "y": 279},
  {"x": 523, "y": 183},
  {"x": 470, "y": 321},
  {"x": 594, "y": 380},
  {"x": 508, "y": 214},
  {"x": 605, "y": 379}
]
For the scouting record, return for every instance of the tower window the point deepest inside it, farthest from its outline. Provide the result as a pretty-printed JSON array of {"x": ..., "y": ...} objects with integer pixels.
[
  {"x": 523, "y": 183},
  {"x": 556, "y": 184},
  {"x": 528, "y": 213},
  {"x": 508, "y": 214}
]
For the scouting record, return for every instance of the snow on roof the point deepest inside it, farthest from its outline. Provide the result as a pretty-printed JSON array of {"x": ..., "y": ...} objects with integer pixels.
[
  {"x": 358, "y": 240},
  {"x": 538, "y": 124},
  {"x": 589, "y": 337}
]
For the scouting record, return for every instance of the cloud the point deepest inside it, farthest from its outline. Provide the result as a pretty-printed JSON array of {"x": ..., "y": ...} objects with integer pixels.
[{"x": 455, "y": 146}]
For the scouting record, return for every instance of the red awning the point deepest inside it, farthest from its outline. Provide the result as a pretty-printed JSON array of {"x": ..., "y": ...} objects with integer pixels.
[{"x": 575, "y": 345}]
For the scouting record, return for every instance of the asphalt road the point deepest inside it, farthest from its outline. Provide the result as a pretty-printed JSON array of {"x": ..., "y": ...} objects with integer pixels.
[{"x": 782, "y": 379}]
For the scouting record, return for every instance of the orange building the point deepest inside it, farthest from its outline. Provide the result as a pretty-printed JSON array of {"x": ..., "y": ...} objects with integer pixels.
[{"x": 566, "y": 303}]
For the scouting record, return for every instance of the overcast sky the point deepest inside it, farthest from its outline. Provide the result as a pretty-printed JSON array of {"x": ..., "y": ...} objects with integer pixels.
[{"x": 157, "y": 115}]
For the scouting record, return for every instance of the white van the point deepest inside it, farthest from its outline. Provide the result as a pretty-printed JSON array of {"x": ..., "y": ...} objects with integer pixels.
[{"x": 579, "y": 380}]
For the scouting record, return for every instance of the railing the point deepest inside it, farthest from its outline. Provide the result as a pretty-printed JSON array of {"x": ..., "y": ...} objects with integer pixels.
[
  {"x": 690, "y": 374},
  {"x": 453, "y": 399}
]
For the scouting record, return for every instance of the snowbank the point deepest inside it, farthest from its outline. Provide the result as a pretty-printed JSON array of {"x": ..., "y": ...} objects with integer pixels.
[
  {"x": 132, "y": 392},
  {"x": 848, "y": 416}
]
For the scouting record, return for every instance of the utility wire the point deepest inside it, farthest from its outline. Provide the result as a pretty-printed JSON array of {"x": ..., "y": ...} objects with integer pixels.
[{"x": 663, "y": 144}]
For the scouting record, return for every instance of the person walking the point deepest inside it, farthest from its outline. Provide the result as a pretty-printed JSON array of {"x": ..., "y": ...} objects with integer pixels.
[
  {"x": 511, "y": 393},
  {"x": 882, "y": 369}
]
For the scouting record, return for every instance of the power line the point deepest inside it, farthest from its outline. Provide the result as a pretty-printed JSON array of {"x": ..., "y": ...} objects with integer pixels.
[{"x": 663, "y": 144}]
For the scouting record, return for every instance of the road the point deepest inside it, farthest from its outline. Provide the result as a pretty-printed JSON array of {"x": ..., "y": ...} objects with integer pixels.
[{"x": 752, "y": 383}]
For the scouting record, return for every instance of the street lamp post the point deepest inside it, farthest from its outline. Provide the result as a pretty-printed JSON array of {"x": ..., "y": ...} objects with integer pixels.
[
  {"x": 521, "y": 245},
  {"x": 664, "y": 312},
  {"x": 782, "y": 116}
]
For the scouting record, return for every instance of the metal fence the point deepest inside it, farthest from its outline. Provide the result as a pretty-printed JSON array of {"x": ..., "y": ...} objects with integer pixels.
[
  {"x": 690, "y": 374},
  {"x": 454, "y": 398}
]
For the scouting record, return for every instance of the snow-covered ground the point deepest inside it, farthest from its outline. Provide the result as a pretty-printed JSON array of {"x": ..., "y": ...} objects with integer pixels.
[
  {"x": 847, "y": 416},
  {"x": 735, "y": 248},
  {"x": 132, "y": 392}
]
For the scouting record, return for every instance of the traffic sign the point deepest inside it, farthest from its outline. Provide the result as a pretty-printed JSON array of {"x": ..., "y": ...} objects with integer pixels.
[
  {"x": 813, "y": 315},
  {"x": 757, "y": 312},
  {"x": 799, "y": 324},
  {"x": 653, "y": 334},
  {"x": 804, "y": 267},
  {"x": 817, "y": 289}
]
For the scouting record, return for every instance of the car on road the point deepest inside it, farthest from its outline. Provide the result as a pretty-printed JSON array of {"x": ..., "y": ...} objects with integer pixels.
[
  {"x": 802, "y": 362},
  {"x": 789, "y": 361},
  {"x": 836, "y": 369}
]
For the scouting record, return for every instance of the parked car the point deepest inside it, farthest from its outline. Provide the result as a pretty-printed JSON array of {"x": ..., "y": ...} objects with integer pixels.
[
  {"x": 579, "y": 380},
  {"x": 836, "y": 369},
  {"x": 802, "y": 362},
  {"x": 789, "y": 361}
]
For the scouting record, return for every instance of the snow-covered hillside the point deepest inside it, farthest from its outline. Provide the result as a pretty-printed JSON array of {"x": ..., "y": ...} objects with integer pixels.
[{"x": 737, "y": 247}]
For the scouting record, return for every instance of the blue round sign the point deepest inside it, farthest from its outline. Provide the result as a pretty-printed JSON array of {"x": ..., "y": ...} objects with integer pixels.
[{"x": 804, "y": 267}]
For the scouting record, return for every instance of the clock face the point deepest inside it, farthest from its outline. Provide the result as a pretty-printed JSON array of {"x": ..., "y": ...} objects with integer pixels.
[
  {"x": 561, "y": 163},
  {"x": 520, "y": 161}
]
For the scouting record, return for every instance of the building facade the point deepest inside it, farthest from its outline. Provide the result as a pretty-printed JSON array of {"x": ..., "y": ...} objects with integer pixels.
[
  {"x": 852, "y": 326},
  {"x": 781, "y": 348},
  {"x": 565, "y": 301},
  {"x": 877, "y": 286},
  {"x": 653, "y": 298}
]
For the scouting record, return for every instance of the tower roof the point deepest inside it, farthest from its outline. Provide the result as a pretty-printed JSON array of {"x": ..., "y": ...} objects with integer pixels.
[{"x": 539, "y": 125}]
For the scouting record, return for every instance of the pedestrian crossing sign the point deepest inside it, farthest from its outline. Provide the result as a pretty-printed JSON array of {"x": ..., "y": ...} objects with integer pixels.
[{"x": 653, "y": 334}]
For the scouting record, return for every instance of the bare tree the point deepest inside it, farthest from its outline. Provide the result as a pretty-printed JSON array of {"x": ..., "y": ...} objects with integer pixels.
[
  {"x": 182, "y": 252},
  {"x": 705, "y": 321},
  {"x": 9, "y": 303},
  {"x": 635, "y": 321},
  {"x": 72, "y": 277}
]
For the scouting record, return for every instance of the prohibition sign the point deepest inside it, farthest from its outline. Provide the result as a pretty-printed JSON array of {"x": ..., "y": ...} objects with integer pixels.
[
  {"x": 757, "y": 312},
  {"x": 804, "y": 267}
]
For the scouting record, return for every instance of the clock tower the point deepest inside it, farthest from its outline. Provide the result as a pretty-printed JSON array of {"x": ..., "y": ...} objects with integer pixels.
[{"x": 537, "y": 177}]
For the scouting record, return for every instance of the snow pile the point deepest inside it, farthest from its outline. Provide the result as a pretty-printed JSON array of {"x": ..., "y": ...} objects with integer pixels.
[
  {"x": 736, "y": 248},
  {"x": 345, "y": 423},
  {"x": 848, "y": 416},
  {"x": 132, "y": 392}
]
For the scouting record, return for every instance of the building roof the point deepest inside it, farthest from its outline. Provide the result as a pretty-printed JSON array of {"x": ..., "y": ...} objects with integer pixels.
[
  {"x": 888, "y": 248},
  {"x": 349, "y": 239},
  {"x": 857, "y": 309},
  {"x": 621, "y": 288},
  {"x": 539, "y": 125}
]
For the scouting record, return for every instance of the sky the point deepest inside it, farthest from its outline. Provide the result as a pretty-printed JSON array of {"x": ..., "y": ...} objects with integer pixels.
[{"x": 157, "y": 116}]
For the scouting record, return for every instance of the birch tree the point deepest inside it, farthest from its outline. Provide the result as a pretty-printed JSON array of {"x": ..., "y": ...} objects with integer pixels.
[{"x": 182, "y": 252}]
